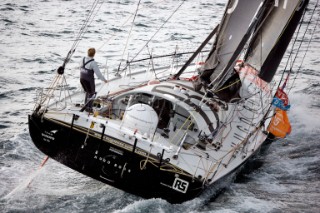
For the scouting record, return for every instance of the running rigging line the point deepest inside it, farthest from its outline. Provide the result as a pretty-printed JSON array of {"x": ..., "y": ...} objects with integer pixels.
[
  {"x": 123, "y": 23},
  {"x": 125, "y": 47},
  {"x": 83, "y": 29},
  {"x": 309, "y": 42},
  {"x": 300, "y": 44},
  {"x": 313, "y": 12},
  {"x": 166, "y": 21},
  {"x": 291, "y": 53}
]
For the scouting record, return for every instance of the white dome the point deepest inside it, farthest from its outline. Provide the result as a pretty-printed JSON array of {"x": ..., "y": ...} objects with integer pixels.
[{"x": 141, "y": 117}]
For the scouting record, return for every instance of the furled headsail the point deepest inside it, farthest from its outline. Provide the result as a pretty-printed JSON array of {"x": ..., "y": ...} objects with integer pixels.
[
  {"x": 270, "y": 41},
  {"x": 265, "y": 27}
]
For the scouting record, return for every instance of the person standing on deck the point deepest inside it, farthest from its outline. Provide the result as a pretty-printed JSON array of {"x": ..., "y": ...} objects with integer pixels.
[{"x": 87, "y": 69}]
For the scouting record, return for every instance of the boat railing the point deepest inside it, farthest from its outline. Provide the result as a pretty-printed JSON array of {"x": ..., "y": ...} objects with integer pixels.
[{"x": 161, "y": 64}]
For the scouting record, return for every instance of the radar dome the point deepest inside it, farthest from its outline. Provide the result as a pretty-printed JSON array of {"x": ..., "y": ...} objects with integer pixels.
[{"x": 141, "y": 117}]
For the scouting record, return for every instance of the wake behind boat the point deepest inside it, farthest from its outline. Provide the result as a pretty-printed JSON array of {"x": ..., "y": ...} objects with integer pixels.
[{"x": 157, "y": 134}]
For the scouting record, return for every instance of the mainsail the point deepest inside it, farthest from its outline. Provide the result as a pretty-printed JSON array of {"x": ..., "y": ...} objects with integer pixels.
[
  {"x": 237, "y": 20},
  {"x": 273, "y": 36}
]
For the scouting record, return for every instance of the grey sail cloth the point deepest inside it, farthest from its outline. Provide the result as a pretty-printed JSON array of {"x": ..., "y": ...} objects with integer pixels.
[
  {"x": 267, "y": 36},
  {"x": 236, "y": 21}
]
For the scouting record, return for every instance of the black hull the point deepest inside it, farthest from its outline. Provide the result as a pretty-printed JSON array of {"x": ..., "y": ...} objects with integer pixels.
[
  {"x": 110, "y": 164},
  {"x": 116, "y": 166}
]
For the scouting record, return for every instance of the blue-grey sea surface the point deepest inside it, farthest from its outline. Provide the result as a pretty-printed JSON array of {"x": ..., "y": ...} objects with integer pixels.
[{"x": 36, "y": 35}]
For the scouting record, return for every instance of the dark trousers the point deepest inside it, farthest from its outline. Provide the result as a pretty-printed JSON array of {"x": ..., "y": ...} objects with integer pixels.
[{"x": 89, "y": 88}]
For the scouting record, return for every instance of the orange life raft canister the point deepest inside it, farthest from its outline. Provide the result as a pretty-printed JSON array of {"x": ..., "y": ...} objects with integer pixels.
[{"x": 280, "y": 124}]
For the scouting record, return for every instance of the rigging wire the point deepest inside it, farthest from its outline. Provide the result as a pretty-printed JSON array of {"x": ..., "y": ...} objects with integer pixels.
[
  {"x": 127, "y": 42},
  {"x": 85, "y": 24},
  {"x": 83, "y": 29},
  {"x": 298, "y": 49},
  {"x": 309, "y": 42},
  {"x": 166, "y": 21},
  {"x": 123, "y": 23},
  {"x": 291, "y": 52},
  {"x": 59, "y": 80},
  {"x": 270, "y": 107}
]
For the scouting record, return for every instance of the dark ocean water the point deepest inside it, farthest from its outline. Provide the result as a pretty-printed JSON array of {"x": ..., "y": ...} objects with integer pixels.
[{"x": 36, "y": 36}]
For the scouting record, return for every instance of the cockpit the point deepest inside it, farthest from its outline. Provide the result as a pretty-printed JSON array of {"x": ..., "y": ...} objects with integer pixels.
[{"x": 153, "y": 114}]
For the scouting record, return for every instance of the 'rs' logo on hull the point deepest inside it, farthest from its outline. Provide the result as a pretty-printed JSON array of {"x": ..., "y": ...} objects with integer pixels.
[{"x": 180, "y": 185}]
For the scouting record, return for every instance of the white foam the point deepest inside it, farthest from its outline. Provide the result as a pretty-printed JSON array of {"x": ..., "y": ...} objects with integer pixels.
[
  {"x": 151, "y": 205},
  {"x": 253, "y": 204},
  {"x": 305, "y": 118},
  {"x": 22, "y": 185}
]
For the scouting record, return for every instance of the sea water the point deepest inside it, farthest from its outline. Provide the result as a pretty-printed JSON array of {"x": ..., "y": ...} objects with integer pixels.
[{"x": 35, "y": 38}]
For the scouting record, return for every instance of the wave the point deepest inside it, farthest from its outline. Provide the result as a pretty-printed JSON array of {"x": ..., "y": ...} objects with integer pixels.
[
  {"x": 7, "y": 21},
  {"x": 7, "y": 9},
  {"x": 52, "y": 35},
  {"x": 3, "y": 126},
  {"x": 38, "y": 60}
]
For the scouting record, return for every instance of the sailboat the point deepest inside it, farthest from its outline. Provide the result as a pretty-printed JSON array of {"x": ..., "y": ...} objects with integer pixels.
[{"x": 173, "y": 136}]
